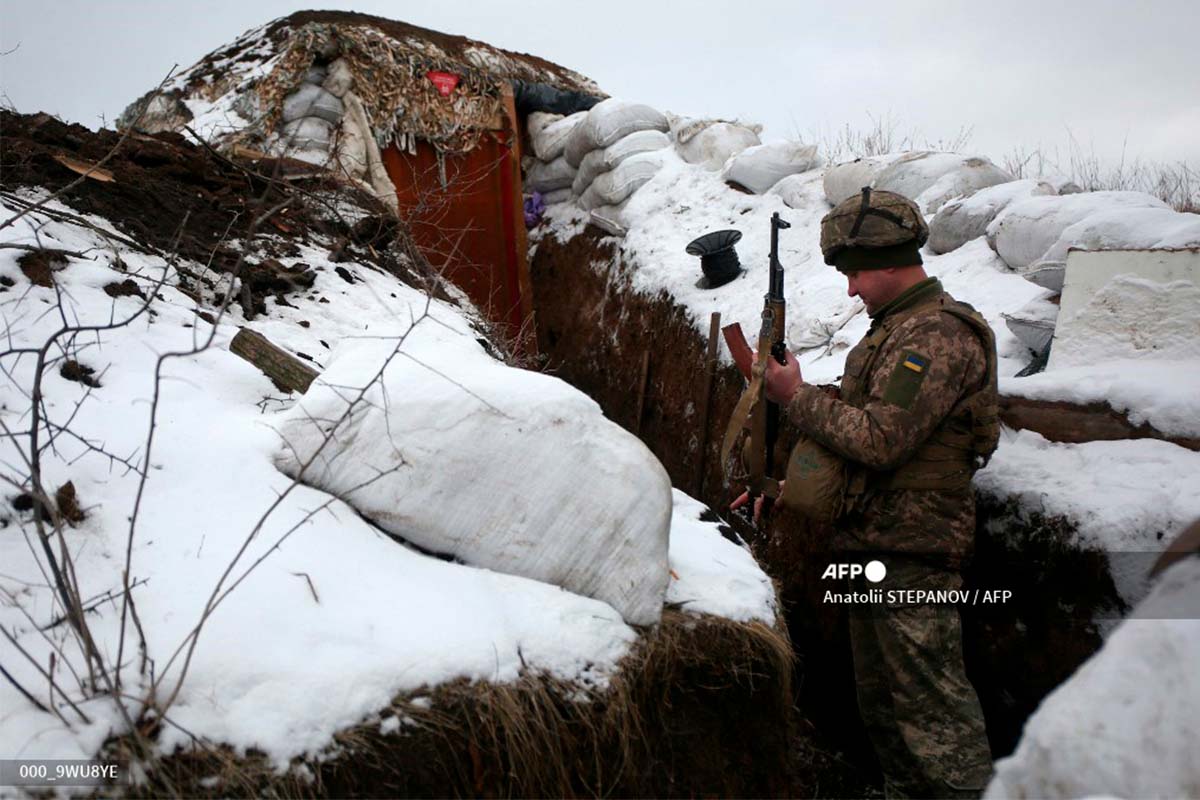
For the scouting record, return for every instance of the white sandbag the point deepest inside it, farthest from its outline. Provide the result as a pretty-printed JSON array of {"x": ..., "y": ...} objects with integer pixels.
[
  {"x": 712, "y": 145},
  {"x": 607, "y": 122},
  {"x": 590, "y": 168},
  {"x": 339, "y": 78},
  {"x": 556, "y": 197},
  {"x": 915, "y": 172},
  {"x": 761, "y": 167},
  {"x": 550, "y": 137},
  {"x": 542, "y": 177},
  {"x": 600, "y": 161},
  {"x": 960, "y": 221},
  {"x": 609, "y": 219},
  {"x": 306, "y": 133},
  {"x": 614, "y": 186},
  {"x": 848, "y": 178},
  {"x": 537, "y": 122},
  {"x": 1126, "y": 723},
  {"x": 797, "y": 191},
  {"x": 975, "y": 174},
  {"x": 506, "y": 469},
  {"x": 1122, "y": 229},
  {"x": 311, "y": 101},
  {"x": 1023, "y": 232}
]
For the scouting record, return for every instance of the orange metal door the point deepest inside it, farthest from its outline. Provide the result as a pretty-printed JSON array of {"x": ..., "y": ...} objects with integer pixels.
[{"x": 467, "y": 217}]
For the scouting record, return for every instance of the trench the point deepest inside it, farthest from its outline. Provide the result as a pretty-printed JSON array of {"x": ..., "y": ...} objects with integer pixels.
[{"x": 643, "y": 360}]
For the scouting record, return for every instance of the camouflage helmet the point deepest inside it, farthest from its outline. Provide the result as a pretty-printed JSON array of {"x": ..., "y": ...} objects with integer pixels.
[{"x": 873, "y": 230}]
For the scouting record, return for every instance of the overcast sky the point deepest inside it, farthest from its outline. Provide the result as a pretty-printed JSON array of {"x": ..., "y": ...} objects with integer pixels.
[{"x": 1021, "y": 74}]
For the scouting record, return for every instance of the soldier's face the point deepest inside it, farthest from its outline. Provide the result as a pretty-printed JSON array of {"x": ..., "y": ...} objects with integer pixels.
[{"x": 873, "y": 286}]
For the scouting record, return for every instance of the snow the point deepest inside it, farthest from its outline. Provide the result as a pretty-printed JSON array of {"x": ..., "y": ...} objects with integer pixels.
[
  {"x": 1026, "y": 229},
  {"x": 1129, "y": 496},
  {"x": 1126, "y": 723},
  {"x": 330, "y": 618},
  {"x": 712, "y": 575}
]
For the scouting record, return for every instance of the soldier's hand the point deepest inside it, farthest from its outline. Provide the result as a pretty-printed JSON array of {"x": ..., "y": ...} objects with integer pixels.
[
  {"x": 744, "y": 498},
  {"x": 783, "y": 379}
]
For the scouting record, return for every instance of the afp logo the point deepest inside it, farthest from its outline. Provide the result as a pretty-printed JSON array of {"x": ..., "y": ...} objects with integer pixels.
[{"x": 874, "y": 571}]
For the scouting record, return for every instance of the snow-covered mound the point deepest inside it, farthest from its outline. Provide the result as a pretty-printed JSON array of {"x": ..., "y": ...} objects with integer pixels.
[
  {"x": 1126, "y": 724},
  {"x": 960, "y": 221}
]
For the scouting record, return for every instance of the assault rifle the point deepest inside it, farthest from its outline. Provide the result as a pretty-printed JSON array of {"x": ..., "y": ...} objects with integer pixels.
[{"x": 754, "y": 407}]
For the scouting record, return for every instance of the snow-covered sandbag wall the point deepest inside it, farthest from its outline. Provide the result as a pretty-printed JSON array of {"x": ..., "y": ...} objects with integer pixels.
[
  {"x": 709, "y": 142},
  {"x": 760, "y": 167},
  {"x": 930, "y": 179},
  {"x": 609, "y": 121},
  {"x": 618, "y": 147},
  {"x": 555, "y": 491},
  {"x": 547, "y": 171},
  {"x": 848, "y": 178},
  {"x": 948, "y": 174},
  {"x": 959, "y": 221},
  {"x": 1025, "y": 230}
]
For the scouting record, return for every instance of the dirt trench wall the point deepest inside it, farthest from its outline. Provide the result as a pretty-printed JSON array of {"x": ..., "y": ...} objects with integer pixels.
[{"x": 595, "y": 330}]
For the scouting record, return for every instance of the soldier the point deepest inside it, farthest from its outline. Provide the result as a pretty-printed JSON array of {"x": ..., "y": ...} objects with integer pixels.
[{"x": 916, "y": 416}]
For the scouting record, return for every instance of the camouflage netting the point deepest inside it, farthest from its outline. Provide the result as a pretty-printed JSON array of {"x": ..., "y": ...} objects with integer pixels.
[{"x": 249, "y": 80}]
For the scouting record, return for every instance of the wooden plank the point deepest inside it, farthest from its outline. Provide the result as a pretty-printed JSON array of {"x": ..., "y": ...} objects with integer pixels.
[
  {"x": 289, "y": 373},
  {"x": 1074, "y": 423},
  {"x": 710, "y": 371}
]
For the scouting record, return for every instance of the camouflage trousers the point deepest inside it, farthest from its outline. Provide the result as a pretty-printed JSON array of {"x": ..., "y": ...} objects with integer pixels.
[{"x": 920, "y": 710}]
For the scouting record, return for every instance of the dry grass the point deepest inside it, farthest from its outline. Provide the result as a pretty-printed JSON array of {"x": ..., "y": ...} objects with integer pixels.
[
  {"x": 696, "y": 699},
  {"x": 1175, "y": 183}
]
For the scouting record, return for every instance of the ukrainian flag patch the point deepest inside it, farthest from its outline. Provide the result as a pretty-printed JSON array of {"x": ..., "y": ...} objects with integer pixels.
[{"x": 904, "y": 385}]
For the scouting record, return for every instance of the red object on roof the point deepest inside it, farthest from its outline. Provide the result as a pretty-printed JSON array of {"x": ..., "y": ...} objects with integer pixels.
[{"x": 444, "y": 81}]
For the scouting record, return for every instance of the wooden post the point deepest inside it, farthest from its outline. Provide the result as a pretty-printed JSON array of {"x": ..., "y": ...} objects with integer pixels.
[
  {"x": 289, "y": 373},
  {"x": 641, "y": 398},
  {"x": 710, "y": 371}
]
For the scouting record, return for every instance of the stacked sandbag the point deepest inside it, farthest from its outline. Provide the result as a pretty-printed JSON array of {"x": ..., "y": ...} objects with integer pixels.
[
  {"x": 711, "y": 142},
  {"x": 548, "y": 133},
  {"x": 617, "y": 148},
  {"x": 598, "y": 162},
  {"x": 848, "y": 178},
  {"x": 309, "y": 117},
  {"x": 547, "y": 171},
  {"x": 928, "y": 178},
  {"x": 615, "y": 186},
  {"x": 972, "y": 175},
  {"x": 324, "y": 122},
  {"x": 967, "y": 218},
  {"x": 1025, "y": 231},
  {"x": 608, "y": 122},
  {"x": 759, "y": 168}
]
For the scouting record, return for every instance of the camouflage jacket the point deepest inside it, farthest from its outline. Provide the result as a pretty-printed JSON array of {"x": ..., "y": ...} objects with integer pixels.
[{"x": 892, "y": 404}]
